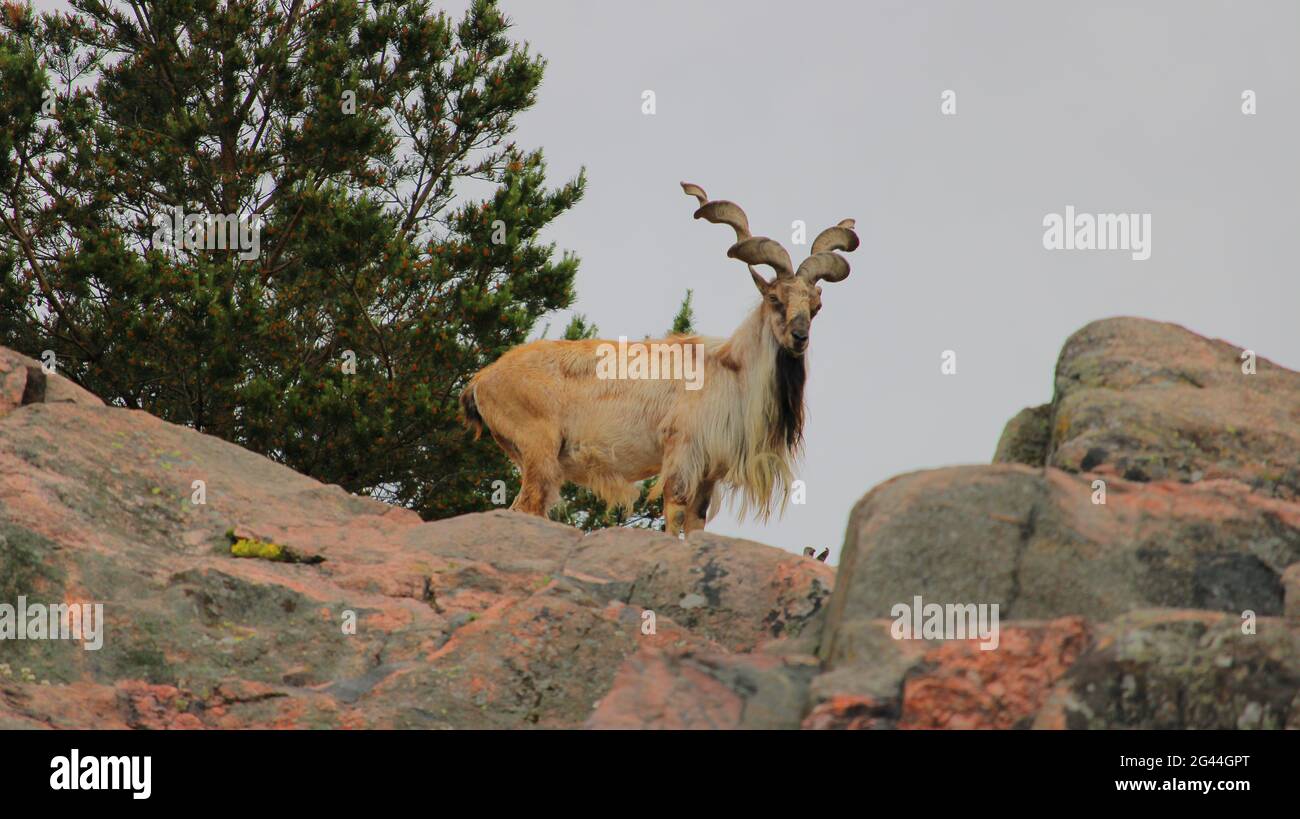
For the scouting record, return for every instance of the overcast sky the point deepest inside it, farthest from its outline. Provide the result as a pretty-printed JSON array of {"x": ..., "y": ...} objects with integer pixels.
[{"x": 820, "y": 111}]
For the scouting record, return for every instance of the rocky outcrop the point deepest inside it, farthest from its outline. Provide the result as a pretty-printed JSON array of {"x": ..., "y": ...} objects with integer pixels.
[
  {"x": 1181, "y": 669},
  {"x": 378, "y": 620},
  {"x": 24, "y": 381},
  {"x": 1026, "y": 438},
  {"x": 1150, "y": 401},
  {"x": 1040, "y": 544},
  {"x": 1140, "y": 535}
]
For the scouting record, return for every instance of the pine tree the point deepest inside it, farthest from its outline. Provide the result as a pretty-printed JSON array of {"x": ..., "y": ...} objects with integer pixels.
[{"x": 351, "y": 135}]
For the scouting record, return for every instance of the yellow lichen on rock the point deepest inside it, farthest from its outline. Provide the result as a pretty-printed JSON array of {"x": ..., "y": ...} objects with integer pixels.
[{"x": 265, "y": 550}]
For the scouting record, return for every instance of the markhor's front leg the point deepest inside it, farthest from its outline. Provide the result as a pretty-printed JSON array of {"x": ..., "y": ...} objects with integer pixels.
[
  {"x": 676, "y": 504},
  {"x": 674, "y": 517}
]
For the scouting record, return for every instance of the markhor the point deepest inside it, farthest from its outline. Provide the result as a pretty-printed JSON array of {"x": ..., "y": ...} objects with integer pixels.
[{"x": 106, "y": 773}]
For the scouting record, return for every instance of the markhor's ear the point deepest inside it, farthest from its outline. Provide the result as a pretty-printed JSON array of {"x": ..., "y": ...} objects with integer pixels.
[{"x": 761, "y": 283}]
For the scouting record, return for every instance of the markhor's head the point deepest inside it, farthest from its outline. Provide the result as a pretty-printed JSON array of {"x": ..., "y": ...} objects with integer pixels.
[{"x": 792, "y": 299}]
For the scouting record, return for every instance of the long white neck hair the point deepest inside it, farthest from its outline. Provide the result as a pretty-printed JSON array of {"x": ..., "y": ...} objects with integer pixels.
[{"x": 754, "y": 421}]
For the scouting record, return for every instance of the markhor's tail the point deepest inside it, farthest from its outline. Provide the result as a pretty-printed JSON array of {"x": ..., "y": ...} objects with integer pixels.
[{"x": 469, "y": 408}]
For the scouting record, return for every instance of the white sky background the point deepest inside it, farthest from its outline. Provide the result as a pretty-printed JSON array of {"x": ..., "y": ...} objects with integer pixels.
[{"x": 820, "y": 111}]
